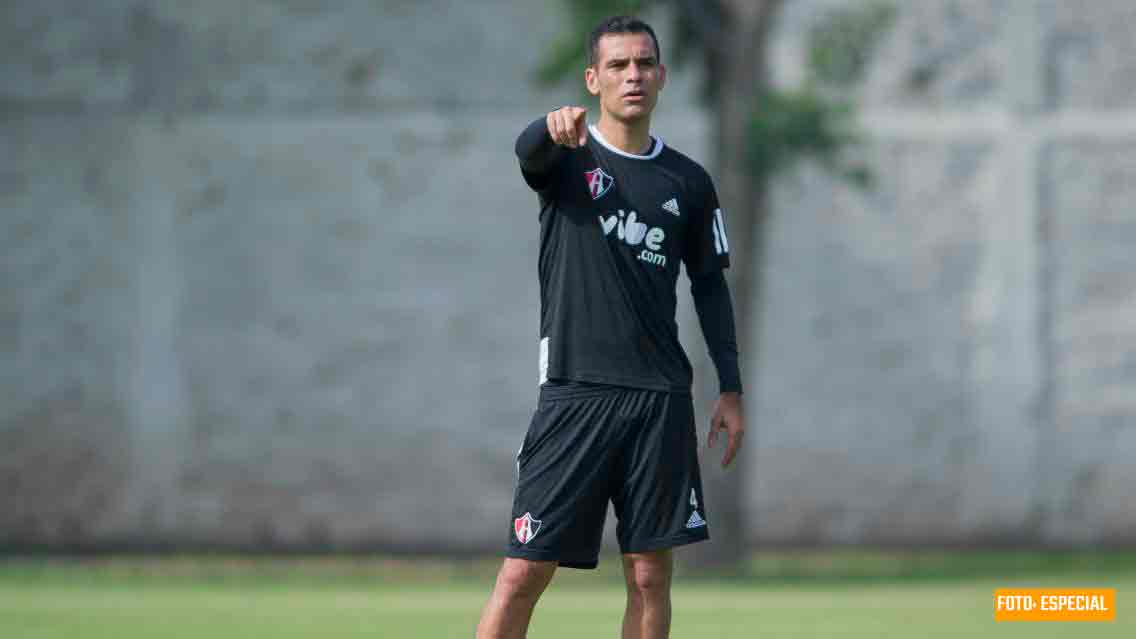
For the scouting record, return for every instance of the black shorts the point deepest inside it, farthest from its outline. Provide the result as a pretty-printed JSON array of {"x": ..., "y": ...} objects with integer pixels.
[{"x": 591, "y": 443}]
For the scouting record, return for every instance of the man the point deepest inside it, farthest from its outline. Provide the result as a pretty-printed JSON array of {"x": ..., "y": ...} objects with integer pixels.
[{"x": 619, "y": 211}]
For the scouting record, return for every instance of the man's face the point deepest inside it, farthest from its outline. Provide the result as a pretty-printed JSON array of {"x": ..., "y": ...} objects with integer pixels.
[{"x": 627, "y": 75}]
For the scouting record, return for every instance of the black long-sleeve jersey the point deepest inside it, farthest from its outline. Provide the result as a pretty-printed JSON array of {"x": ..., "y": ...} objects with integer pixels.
[{"x": 614, "y": 227}]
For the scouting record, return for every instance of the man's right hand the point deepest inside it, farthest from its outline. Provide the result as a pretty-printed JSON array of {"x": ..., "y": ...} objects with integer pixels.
[{"x": 568, "y": 127}]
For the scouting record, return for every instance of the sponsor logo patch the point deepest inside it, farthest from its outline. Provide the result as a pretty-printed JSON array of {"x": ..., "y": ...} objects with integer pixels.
[{"x": 627, "y": 228}]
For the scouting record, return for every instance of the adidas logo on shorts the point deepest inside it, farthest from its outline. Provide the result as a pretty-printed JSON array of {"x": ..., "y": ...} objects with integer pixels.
[
  {"x": 695, "y": 521},
  {"x": 671, "y": 206}
]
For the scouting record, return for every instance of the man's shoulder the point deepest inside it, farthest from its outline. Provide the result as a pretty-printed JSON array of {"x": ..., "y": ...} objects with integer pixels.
[{"x": 683, "y": 163}]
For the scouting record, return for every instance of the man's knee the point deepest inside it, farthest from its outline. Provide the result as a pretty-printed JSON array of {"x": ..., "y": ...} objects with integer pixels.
[
  {"x": 649, "y": 574},
  {"x": 521, "y": 578}
]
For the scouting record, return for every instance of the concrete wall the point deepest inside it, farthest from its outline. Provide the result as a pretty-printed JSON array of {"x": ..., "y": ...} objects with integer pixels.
[
  {"x": 946, "y": 358},
  {"x": 269, "y": 271},
  {"x": 268, "y": 278}
]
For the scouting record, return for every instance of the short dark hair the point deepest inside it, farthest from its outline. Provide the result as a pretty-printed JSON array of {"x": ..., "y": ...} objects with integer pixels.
[{"x": 619, "y": 24}]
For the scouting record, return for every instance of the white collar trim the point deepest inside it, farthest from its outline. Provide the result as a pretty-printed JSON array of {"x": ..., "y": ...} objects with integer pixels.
[{"x": 656, "y": 149}]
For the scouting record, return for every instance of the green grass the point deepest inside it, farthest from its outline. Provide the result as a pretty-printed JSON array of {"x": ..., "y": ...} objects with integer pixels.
[{"x": 832, "y": 594}]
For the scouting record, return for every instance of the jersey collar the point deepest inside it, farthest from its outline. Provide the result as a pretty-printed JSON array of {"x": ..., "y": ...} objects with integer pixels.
[{"x": 656, "y": 149}]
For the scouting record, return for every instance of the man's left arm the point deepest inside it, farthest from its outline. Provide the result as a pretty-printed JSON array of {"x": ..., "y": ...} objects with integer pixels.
[{"x": 716, "y": 316}]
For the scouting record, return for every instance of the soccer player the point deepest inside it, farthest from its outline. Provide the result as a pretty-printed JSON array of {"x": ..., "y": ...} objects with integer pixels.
[{"x": 619, "y": 211}]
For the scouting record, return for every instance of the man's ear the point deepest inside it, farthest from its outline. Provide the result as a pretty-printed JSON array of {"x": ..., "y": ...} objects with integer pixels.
[
  {"x": 591, "y": 80},
  {"x": 662, "y": 76}
]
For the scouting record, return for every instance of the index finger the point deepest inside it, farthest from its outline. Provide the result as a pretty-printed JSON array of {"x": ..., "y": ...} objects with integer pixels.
[
  {"x": 581, "y": 125},
  {"x": 712, "y": 436},
  {"x": 732, "y": 445}
]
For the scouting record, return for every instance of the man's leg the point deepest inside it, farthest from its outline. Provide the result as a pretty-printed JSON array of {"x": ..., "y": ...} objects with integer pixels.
[
  {"x": 648, "y": 577},
  {"x": 520, "y": 583},
  {"x": 659, "y": 505}
]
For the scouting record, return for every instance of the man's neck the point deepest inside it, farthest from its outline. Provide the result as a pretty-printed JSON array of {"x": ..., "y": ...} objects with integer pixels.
[{"x": 633, "y": 137}]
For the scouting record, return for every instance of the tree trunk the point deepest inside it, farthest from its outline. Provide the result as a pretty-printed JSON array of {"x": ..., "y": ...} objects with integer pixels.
[{"x": 737, "y": 67}]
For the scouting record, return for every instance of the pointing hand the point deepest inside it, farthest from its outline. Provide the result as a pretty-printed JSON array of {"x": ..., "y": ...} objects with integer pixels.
[{"x": 568, "y": 127}]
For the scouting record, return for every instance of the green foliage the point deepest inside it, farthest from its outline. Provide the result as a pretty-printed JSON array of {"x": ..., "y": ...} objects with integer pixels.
[
  {"x": 789, "y": 125},
  {"x": 842, "y": 42},
  {"x": 816, "y": 121},
  {"x": 567, "y": 56},
  {"x": 813, "y": 121}
]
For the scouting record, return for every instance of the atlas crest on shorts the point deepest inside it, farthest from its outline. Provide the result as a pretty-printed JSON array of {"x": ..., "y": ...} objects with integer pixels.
[
  {"x": 526, "y": 528},
  {"x": 599, "y": 182}
]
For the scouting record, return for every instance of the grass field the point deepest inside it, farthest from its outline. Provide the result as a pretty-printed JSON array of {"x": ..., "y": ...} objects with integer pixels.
[{"x": 785, "y": 595}]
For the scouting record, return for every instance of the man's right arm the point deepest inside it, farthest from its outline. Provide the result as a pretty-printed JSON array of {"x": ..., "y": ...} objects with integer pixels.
[
  {"x": 542, "y": 145},
  {"x": 536, "y": 150}
]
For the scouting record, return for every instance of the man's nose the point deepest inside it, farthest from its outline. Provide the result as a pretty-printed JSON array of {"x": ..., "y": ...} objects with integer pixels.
[{"x": 634, "y": 72}]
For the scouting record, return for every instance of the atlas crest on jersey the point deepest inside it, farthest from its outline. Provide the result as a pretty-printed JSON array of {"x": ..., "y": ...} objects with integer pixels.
[
  {"x": 599, "y": 182},
  {"x": 526, "y": 528}
]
